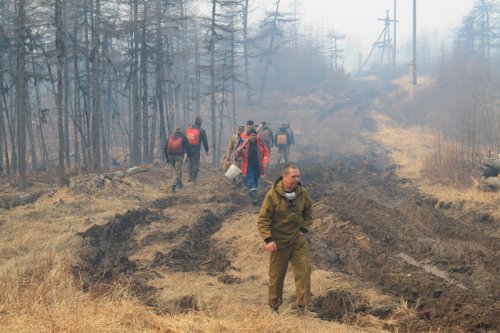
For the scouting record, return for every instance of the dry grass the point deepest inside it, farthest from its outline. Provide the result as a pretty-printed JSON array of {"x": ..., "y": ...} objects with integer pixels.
[
  {"x": 411, "y": 149},
  {"x": 38, "y": 292},
  {"x": 407, "y": 147}
]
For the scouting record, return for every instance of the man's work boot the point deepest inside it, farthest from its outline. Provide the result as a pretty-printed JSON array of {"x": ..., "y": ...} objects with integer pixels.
[
  {"x": 173, "y": 189},
  {"x": 305, "y": 312},
  {"x": 253, "y": 196},
  {"x": 274, "y": 310}
]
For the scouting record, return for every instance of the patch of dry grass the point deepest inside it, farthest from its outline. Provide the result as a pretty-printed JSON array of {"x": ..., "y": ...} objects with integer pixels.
[
  {"x": 407, "y": 147},
  {"x": 411, "y": 149}
]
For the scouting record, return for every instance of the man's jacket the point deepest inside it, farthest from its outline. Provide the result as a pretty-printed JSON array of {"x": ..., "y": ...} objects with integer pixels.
[
  {"x": 203, "y": 137},
  {"x": 281, "y": 220},
  {"x": 186, "y": 148},
  {"x": 263, "y": 155}
]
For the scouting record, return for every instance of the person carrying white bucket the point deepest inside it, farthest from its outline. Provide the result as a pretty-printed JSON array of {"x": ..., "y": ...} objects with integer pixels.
[
  {"x": 230, "y": 158},
  {"x": 255, "y": 158}
]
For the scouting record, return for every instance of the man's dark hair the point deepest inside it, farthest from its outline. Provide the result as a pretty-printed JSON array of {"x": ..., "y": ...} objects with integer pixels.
[
  {"x": 288, "y": 166},
  {"x": 250, "y": 122}
]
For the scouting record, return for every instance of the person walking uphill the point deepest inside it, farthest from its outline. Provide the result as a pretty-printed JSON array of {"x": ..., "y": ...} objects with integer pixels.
[
  {"x": 284, "y": 218},
  {"x": 255, "y": 158},
  {"x": 177, "y": 145},
  {"x": 196, "y": 137}
]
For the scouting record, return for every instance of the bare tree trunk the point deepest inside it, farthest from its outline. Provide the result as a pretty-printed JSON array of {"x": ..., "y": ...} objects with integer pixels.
[
  {"x": 144, "y": 72},
  {"x": 160, "y": 73},
  {"x": 20, "y": 93},
  {"x": 270, "y": 52},
  {"x": 136, "y": 118},
  {"x": 59, "y": 91},
  {"x": 96, "y": 107},
  {"x": 212, "y": 84},
  {"x": 245, "y": 53},
  {"x": 3, "y": 128}
]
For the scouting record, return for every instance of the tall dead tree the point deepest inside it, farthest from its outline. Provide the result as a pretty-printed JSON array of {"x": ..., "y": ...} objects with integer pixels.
[
  {"x": 96, "y": 91},
  {"x": 213, "y": 38},
  {"x": 21, "y": 93},
  {"x": 59, "y": 91},
  {"x": 270, "y": 50}
]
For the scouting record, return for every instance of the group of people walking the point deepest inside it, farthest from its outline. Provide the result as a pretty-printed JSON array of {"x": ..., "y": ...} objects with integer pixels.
[
  {"x": 181, "y": 147},
  {"x": 250, "y": 148},
  {"x": 286, "y": 212}
]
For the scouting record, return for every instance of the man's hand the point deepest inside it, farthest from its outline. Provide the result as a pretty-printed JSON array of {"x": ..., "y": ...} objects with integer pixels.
[{"x": 271, "y": 246}]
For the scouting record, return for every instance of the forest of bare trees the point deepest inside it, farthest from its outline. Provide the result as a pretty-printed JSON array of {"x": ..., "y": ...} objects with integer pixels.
[{"x": 88, "y": 83}]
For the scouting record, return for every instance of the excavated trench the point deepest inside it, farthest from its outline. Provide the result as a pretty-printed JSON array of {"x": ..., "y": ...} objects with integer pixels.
[
  {"x": 375, "y": 226},
  {"x": 105, "y": 256}
]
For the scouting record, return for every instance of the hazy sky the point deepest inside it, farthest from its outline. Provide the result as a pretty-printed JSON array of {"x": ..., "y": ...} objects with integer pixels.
[{"x": 358, "y": 18}]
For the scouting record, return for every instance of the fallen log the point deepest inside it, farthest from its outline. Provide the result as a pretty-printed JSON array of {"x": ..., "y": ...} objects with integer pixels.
[{"x": 493, "y": 163}]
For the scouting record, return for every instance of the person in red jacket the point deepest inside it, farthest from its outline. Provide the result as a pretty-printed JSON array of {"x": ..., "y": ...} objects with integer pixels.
[{"x": 255, "y": 158}]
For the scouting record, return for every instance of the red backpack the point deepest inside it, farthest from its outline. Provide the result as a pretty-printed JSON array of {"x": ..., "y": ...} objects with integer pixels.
[
  {"x": 193, "y": 135},
  {"x": 174, "y": 145}
]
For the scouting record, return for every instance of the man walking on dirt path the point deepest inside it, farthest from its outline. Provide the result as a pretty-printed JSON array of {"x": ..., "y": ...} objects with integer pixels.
[
  {"x": 266, "y": 135},
  {"x": 177, "y": 145},
  {"x": 196, "y": 137},
  {"x": 284, "y": 219},
  {"x": 283, "y": 141},
  {"x": 254, "y": 159}
]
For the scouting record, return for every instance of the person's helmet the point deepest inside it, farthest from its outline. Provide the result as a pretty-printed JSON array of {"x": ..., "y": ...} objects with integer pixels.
[
  {"x": 178, "y": 129},
  {"x": 241, "y": 127}
]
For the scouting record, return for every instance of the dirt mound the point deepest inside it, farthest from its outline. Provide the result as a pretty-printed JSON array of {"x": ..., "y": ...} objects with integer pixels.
[
  {"x": 372, "y": 227},
  {"x": 196, "y": 252}
]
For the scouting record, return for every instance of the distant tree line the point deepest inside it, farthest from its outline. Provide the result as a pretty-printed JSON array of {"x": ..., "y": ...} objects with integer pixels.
[
  {"x": 84, "y": 81},
  {"x": 464, "y": 102}
]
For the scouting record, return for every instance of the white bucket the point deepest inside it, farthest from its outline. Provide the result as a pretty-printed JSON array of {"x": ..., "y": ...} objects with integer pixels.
[{"x": 232, "y": 172}]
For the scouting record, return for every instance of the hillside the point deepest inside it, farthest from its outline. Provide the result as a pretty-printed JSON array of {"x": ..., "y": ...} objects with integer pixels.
[{"x": 128, "y": 255}]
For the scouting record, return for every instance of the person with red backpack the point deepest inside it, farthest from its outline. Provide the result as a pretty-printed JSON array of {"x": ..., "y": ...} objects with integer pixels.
[
  {"x": 283, "y": 140},
  {"x": 196, "y": 136},
  {"x": 266, "y": 135},
  {"x": 177, "y": 150},
  {"x": 255, "y": 158}
]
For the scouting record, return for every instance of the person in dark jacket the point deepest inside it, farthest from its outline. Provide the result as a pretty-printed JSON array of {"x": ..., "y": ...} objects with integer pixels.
[
  {"x": 283, "y": 140},
  {"x": 285, "y": 217},
  {"x": 266, "y": 135},
  {"x": 196, "y": 136},
  {"x": 177, "y": 150}
]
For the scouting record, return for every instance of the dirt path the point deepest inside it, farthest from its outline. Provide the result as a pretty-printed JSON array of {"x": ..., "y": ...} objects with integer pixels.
[{"x": 370, "y": 225}]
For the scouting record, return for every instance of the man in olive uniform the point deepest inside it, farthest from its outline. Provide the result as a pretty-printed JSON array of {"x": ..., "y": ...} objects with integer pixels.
[
  {"x": 284, "y": 219},
  {"x": 177, "y": 149},
  {"x": 196, "y": 137}
]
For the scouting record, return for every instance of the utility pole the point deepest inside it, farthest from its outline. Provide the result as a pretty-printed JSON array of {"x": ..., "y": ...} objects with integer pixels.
[
  {"x": 414, "y": 42},
  {"x": 394, "y": 36}
]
